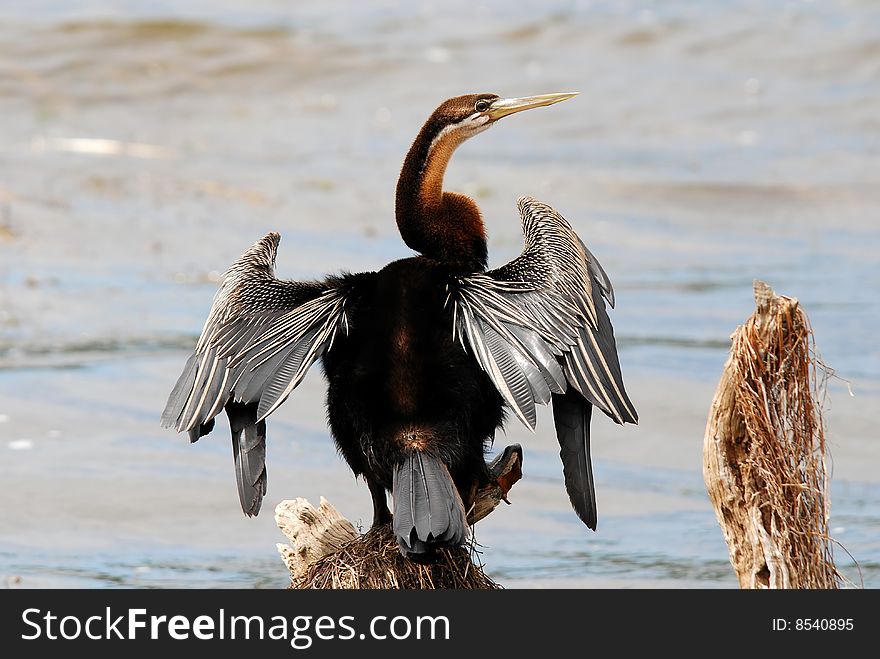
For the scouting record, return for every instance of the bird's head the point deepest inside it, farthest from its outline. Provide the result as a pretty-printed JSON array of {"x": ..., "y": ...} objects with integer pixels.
[
  {"x": 447, "y": 226},
  {"x": 462, "y": 117}
]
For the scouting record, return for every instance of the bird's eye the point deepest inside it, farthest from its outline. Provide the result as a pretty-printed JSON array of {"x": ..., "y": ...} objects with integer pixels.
[{"x": 482, "y": 105}]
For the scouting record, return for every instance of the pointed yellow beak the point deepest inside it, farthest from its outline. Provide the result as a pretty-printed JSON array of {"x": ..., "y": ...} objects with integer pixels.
[{"x": 505, "y": 106}]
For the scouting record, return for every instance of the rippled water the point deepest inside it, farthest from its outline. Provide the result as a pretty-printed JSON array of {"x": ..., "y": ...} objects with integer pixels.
[{"x": 145, "y": 145}]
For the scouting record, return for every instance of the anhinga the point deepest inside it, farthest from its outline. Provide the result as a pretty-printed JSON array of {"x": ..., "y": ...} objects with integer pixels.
[{"x": 422, "y": 357}]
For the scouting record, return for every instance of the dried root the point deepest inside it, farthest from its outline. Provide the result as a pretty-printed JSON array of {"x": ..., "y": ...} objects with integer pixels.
[{"x": 764, "y": 459}]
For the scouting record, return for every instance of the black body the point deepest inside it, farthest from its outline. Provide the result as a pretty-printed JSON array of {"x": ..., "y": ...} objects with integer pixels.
[{"x": 399, "y": 382}]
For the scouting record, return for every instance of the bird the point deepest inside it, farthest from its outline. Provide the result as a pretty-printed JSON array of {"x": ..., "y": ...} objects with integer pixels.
[{"x": 425, "y": 359}]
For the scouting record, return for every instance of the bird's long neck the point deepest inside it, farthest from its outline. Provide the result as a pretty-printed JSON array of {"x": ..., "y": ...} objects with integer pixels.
[{"x": 444, "y": 226}]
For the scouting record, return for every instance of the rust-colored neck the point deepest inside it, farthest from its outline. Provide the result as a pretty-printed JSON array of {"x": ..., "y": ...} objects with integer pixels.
[{"x": 444, "y": 226}]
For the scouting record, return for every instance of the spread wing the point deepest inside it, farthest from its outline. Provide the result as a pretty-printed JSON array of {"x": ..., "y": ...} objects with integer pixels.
[
  {"x": 539, "y": 328},
  {"x": 260, "y": 338}
]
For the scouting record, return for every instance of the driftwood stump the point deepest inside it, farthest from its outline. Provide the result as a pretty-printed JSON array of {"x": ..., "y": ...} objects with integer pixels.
[
  {"x": 764, "y": 452},
  {"x": 326, "y": 551}
]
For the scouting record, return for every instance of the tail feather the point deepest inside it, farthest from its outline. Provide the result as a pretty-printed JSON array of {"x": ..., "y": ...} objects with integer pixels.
[
  {"x": 249, "y": 451},
  {"x": 571, "y": 415},
  {"x": 428, "y": 510}
]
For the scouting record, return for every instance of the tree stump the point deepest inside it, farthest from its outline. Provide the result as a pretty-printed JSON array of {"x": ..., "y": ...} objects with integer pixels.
[
  {"x": 764, "y": 452},
  {"x": 326, "y": 551}
]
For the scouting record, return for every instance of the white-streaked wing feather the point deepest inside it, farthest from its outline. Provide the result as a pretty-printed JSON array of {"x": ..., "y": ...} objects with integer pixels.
[
  {"x": 258, "y": 342},
  {"x": 543, "y": 315}
]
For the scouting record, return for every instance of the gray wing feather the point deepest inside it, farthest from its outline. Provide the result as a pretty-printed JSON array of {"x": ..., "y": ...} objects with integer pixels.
[
  {"x": 571, "y": 416},
  {"x": 258, "y": 342},
  {"x": 542, "y": 316},
  {"x": 249, "y": 453},
  {"x": 290, "y": 371},
  {"x": 599, "y": 275},
  {"x": 539, "y": 329},
  {"x": 181, "y": 391},
  {"x": 543, "y": 357},
  {"x": 512, "y": 370},
  {"x": 260, "y": 338}
]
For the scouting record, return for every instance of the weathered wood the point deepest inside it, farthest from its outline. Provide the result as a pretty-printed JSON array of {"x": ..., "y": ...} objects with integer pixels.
[
  {"x": 764, "y": 452},
  {"x": 312, "y": 532}
]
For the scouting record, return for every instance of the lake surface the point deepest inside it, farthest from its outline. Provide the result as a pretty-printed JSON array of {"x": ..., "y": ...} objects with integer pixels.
[{"x": 144, "y": 146}]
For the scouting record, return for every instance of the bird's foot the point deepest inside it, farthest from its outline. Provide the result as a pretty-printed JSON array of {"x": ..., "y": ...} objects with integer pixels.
[{"x": 504, "y": 471}]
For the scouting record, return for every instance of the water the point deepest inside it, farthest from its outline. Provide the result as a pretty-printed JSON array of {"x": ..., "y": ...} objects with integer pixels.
[{"x": 145, "y": 145}]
